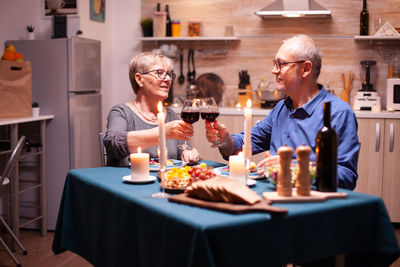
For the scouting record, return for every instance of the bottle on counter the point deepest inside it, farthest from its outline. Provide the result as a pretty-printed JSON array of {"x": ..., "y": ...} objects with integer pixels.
[
  {"x": 257, "y": 94},
  {"x": 326, "y": 154},
  {"x": 168, "y": 22},
  {"x": 364, "y": 18}
]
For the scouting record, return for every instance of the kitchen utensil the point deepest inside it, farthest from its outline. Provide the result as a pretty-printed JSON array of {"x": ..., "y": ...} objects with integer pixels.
[
  {"x": 191, "y": 74},
  {"x": 347, "y": 86},
  {"x": 181, "y": 78}
]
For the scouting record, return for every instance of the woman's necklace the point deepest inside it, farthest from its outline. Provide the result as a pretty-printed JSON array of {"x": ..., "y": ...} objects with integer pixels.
[{"x": 140, "y": 112}]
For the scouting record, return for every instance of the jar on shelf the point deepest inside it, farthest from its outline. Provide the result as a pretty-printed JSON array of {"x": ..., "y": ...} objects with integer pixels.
[
  {"x": 176, "y": 28},
  {"x": 194, "y": 27}
]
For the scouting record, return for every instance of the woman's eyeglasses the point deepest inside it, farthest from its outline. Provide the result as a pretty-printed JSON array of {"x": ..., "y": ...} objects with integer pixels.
[
  {"x": 162, "y": 74},
  {"x": 279, "y": 64}
]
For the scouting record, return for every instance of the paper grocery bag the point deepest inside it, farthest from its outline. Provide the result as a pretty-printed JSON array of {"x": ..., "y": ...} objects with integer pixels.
[{"x": 15, "y": 89}]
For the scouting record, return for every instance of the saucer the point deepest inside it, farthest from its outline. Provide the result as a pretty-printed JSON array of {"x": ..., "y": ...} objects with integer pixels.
[
  {"x": 251, "y": 182},
  {"x": 128, "y": 179}
]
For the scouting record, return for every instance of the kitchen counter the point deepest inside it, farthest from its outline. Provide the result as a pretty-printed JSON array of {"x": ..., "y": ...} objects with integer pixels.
[{"x": 264, "y": 112}]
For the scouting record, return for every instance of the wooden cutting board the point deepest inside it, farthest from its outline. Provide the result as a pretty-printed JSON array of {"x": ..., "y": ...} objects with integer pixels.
[
  {"x": 262, "y": 206},
  {"x": 315, "y": 196}
]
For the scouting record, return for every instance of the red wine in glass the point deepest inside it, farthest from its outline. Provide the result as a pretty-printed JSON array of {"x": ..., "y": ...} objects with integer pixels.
[
  {"x": 190, "y": 116},
  {"x": 209, "y": 116},
  {"x": 209, "y": 112},
  {"x": 190, "y": 113}
]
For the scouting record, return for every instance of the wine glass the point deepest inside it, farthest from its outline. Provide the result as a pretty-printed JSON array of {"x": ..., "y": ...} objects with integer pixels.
[
  {"x": 209, "y": 112},
  {"x": 190, "y": 113}
]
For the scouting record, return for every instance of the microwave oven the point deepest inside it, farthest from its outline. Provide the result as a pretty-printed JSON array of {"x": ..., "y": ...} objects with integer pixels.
[{"x": 393, "y": 94}]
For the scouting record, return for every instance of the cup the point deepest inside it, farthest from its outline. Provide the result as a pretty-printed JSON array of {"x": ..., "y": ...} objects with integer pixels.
[
  {"x": 35, "y": 112},
  {"x": 176, "y": 28}
]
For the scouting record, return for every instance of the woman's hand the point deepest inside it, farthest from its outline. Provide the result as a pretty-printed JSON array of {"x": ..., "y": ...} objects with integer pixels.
[
  {"x": 268, "y": 161},
  {"x": 190, "y": 156},
  {"x": 179, "y": 130}
]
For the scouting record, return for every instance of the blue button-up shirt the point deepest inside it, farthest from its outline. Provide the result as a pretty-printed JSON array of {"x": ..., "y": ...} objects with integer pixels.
[{"x": 283, "y": 125}]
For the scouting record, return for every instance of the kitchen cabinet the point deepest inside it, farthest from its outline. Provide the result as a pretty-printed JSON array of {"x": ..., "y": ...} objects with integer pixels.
[{"x": 378, "y": 161}]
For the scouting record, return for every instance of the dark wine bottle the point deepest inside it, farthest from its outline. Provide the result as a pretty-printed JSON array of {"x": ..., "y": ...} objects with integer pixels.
[
  {"x": 364, "y": 18},
  {"x": 168, "y": 22},
  {"x": 326, "y": 154}
]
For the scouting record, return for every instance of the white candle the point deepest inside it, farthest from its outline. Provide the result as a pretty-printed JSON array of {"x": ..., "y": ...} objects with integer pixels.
[
  {"x": 140, "y": 165},
  {"x": 237, "y": 169},
  {"x": 162, "y": 138},
  {"x": 247, "y": 130}
]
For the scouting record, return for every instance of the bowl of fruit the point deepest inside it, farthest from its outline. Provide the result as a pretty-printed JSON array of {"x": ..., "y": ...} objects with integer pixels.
[{"x": 178, "y": 178}]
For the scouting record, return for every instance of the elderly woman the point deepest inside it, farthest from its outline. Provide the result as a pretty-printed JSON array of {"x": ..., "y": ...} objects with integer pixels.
[{"x": 134, "y": 124}]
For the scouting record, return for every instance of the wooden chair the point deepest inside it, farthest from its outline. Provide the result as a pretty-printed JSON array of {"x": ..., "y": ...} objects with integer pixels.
[{"x": 5, "y": 180}]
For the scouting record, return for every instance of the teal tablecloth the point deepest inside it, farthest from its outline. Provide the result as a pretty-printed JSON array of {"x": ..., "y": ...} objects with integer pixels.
[{"x": 111, "y": 223}]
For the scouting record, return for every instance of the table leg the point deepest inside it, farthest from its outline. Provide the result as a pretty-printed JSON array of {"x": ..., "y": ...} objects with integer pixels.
[
  {"x": 43, "y": 180},
  {"x": 15, "y": 184}
]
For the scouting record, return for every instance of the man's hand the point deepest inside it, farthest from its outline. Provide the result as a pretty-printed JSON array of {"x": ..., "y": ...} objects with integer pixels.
[
  {"x": 216, "y": 131},
  {"x": 268, "y": 161}
]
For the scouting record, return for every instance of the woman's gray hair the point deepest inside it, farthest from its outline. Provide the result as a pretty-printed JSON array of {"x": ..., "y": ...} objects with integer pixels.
[
  {"x": 142, "y": 62},
  {"x": 303, "y": 47}
]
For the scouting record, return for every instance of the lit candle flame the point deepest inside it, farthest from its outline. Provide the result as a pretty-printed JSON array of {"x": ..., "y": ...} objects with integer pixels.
[
  {"x": 139, "y": 150},
  {"x": 248, "y": 104},
  {"x": 160, "y": 106}
]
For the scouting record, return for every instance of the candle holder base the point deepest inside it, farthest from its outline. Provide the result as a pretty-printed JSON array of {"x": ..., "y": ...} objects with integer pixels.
[{"x": 160, "y": 195}]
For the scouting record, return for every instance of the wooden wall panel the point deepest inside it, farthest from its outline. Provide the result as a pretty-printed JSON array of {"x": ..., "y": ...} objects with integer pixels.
[{"x": 261, "y": 38}]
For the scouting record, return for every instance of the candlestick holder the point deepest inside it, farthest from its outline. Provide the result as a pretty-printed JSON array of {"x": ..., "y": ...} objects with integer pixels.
[{"x": 161, "y": 194}]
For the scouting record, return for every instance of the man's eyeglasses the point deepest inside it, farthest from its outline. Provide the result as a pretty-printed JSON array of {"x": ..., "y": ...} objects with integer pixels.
[
  {"x": 279, "y": 64},
  {"x": 162, "y": 74}
]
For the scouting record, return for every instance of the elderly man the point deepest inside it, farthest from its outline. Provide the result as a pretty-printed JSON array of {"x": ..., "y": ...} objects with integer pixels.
[{"x": 296, "y": 119}]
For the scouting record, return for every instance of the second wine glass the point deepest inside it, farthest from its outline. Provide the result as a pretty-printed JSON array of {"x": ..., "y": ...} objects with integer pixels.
[
  {"x": 190, "y": 113},
  {"x": 209, "y": 112}
]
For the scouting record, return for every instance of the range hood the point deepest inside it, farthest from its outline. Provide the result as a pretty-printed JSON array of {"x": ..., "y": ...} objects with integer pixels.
[{"x": 294, "y": 9}]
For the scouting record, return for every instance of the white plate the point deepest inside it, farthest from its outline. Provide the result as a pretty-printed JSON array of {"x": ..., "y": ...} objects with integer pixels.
[
  {"x": 177, "y": 163},
  {"x": 128, "y": 179},
  {"x": 221, "y": 171},
  {"x": 251, "y": 182}
]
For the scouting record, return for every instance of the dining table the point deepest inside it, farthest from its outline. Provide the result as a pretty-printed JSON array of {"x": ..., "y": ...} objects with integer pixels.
[{"x": 110, "y": 222}]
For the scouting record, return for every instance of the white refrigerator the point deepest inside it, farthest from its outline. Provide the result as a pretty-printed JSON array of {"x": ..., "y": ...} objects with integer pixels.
[{"x": 66, "y": 82}]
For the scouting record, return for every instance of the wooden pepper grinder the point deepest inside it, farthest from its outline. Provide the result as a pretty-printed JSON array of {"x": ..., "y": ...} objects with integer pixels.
[
  {"x": 303, "y": 180},
  {"x": 284, "y": 187}
]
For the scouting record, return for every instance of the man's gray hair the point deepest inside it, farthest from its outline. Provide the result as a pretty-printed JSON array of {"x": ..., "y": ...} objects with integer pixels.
[{"x": 303, "y": 47}]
